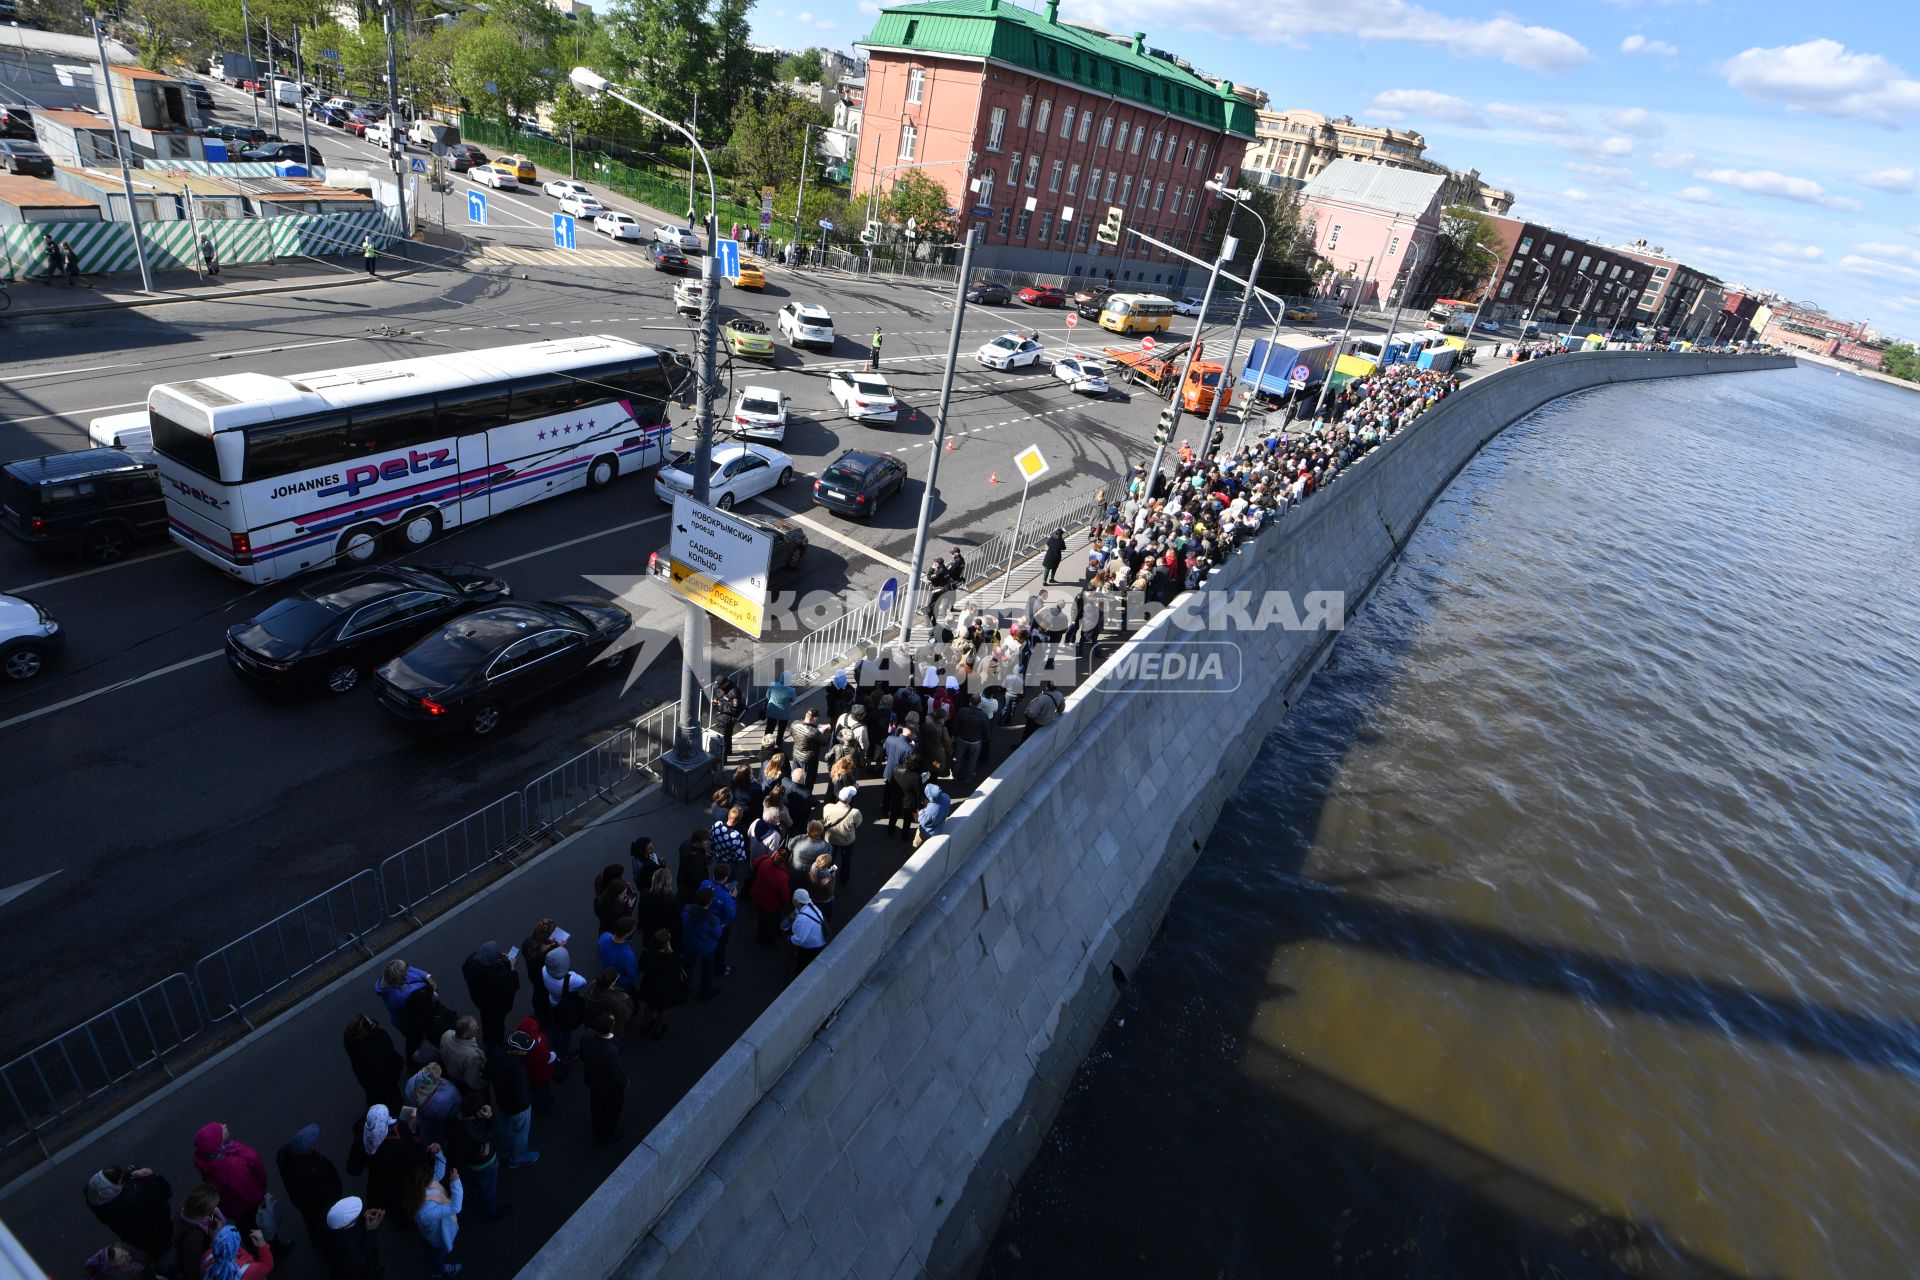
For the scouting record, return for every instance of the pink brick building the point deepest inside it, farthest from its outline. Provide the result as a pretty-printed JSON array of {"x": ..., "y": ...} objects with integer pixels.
[
  {"x": 1375, "y": 224},
  {"x": 1036, "y": 127}
]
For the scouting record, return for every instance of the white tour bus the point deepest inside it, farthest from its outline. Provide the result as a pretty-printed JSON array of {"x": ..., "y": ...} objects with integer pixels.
[{"x": 268, "y": 476}]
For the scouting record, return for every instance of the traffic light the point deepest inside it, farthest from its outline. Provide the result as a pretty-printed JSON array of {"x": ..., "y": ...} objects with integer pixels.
[
  {"x": 1168, "y": 417},
  {"x": 1109, "y": 232}
]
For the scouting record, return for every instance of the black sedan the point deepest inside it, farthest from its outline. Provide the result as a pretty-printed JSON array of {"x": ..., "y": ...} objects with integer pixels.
[
  {"x": 467, "y": 674},
  {"x": 244, "y": 134},
  {"x": 857, "y": 482},
  {"x": 993, "y": 295},
  {"x": 462, "y": 157},
  {"x": 668, "y": 258},
  {"x": 25, "y": 158},
  {"x": 789, "y": 546},
  {"x": 328, "y": 632},
  {"x": 277, "y": 152}
]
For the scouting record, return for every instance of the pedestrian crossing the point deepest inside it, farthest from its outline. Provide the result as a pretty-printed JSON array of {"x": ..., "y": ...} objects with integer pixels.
[{"x": 508, "y": 255}]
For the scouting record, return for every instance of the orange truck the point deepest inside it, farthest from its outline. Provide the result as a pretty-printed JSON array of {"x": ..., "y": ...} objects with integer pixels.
[{"x": 1160, "y": 369}]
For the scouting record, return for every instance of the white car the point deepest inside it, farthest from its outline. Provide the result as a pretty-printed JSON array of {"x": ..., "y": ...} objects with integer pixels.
[
  {"x": 864, "y": 397},
  {"x": 684, "y": 239},
  {"x": 382, "y": 135},
  {"x": 740, "y": 471},
  {"x": 561, "y": 188},
  {"x": 687, "y": 295},
  {"x": 806, "y": 325},
  {"x": 760, "y": 414},
  {"x": 619, "y": 226},
  {"x": 29, "y": 637},
  {"x": 1082, "y": 374},
  {"x": 581, "y": 206},
  {"x": 1188, "y": 306},
  {"x": 499, "y": 177},
  {"x": 1010, "y": 351}
]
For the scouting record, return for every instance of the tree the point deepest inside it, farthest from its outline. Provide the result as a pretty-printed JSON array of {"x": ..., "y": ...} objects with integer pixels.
[
  {"x": 1463, "y": 258},
  {"x": 168, "y": 30},
  {"x": 668, "y": 53},
  {"x": 805, "y": 67},
  {"x": 1902, "y": 361},
  {"x": 917, "y": 196},
  {"x": 513, "y": 62},
  {"x": 1281, "y": 269},
  {"x": 768, "y": 137}
]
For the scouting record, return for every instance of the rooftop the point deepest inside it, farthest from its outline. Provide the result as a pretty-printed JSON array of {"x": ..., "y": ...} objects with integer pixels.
[
  {"x": 1039, "y": 42},
  {"x": 142, "y": 73},
  {"x": 38, "y": 193},
  {"x": 1375, "y": 186},
  {"x": 16, "y": 39},
  {"x": 75, "y": 119}
]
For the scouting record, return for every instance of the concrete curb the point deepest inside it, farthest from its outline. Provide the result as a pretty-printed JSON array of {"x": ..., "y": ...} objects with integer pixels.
[{"x": 205, "y": 295}]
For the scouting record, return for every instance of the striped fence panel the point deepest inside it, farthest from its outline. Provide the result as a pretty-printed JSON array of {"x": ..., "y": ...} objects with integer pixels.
[
  {"x": 223, "y": 168},
  {"x": 107, "y": 247}
]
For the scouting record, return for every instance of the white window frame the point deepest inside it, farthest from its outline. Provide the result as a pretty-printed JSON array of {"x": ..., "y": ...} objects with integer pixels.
[
  {"x": 996, "y": 127},
  {"x": 1106, "y": 131},
  {"x": 1055, "y": 174},
  {"x": 985, "y": 195},
  {"x": 1046, "y": 114},
  {"x": 909, "y": 140},
  {"x": 916, "y": 84},
  {"x": 1086, "y": 127},
  {"x": 1033, "y": 171},
  {"x": 1126, "y": 192},
  {"x": 1159, "y": 191},
  {"x": 1153, "y": 152},
  {"x": 1013, "y": 170},
  {"x": 1046, "y": 226},
  {"x": 1073, "y": 180},
  {"x": 1120, "y": 139},
  {"x": 1333, "y": 236},
  {"x": 1026, "y": 111},
  {"x": 1139, "y": 136},
  {"x": 1066, "y": 121},
  {"x": 1393, "y": 246},
  {"x": 1113, "y": 176}
]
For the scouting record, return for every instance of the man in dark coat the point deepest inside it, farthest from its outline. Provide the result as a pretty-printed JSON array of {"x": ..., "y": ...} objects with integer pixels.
[
  {"x": 135, "y": 1205},
  {"x": 493, "y": 983},
  {"x": 312, "y": 1181},
  {"x": 606, "y": 1079},
  {"x": 1056, "y": 551},
  {"x": 350, "y": 1248}
]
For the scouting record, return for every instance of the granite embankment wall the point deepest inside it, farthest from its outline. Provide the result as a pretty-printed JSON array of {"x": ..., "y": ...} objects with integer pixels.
[{"x": 874, "y": 1120}]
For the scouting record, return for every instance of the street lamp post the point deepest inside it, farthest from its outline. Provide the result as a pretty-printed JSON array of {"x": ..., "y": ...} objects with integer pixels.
[
  {"x": 1326, "y": 383},
  {"x": 246, "y": 33},
  {"x": 1193, "y": 348},
  {"x": 1546, "y": 278},
  {"x": 1239, "y": 196},
  {"x": 685, "y": 771},
  {"x": 1586, "y": 296},
  {"x": 120, "y": 144},
  {"x": 1413, "y": 273}
]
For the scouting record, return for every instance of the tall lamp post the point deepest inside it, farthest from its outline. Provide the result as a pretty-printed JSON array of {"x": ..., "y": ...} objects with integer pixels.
[
  {"x": 1239, "y": 196},
  {"x": 121, "y": 143},
  {"x": 1413, "y": 274},
  {"x": 1170, "y": 416},
  {"x": 685, "y": 771},
  {"x": 1546, "y": 278},
  {"x": 1586, "y": 296}
]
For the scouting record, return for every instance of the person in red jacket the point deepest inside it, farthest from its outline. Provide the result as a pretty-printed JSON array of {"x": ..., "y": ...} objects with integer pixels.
[
  {"x": 227, "y": 1259},
  {"x": 235, "y": 1170},
  {"x": 542, "y": 1064},
  {"x": 770, "y": 891}
]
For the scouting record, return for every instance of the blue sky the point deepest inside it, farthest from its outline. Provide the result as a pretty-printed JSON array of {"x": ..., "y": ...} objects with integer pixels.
[{"x": 1772, "y": 144}]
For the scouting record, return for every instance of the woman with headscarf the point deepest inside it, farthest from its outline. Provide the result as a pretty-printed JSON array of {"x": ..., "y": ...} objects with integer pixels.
[
  {"x": 133, "y": 1204},
  {"x": 376, "y": 1064},
  {"x": 225, "y": 1259},
  {"x": 349, "y": 1245},
  {"x": 117, "y": 1262},
  {"x": 385, "y": 1152},
  {"x": 235, "y": 1170},
  {"x": 311, "y": 1180},
  {"x": 433, "y": 1098},
  {"x": 432, "y": 1200}
]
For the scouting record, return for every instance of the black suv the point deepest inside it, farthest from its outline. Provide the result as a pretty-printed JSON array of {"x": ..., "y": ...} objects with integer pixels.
[
  {"x": 98, "y": 502},
  {"x": 16, "y": 122},
  {"x": 668, "y": 258},
  {"x": 1090, "y": 302}
]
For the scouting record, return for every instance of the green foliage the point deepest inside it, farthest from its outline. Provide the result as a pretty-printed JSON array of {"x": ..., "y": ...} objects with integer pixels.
[
  {"x": 514, "y": 61},
  {"x": 768, "y": 138},
  {"x": 919, "y": 196},
  {"x": 166, "y": 32},
  {"x": 664, "y": 53},
  {"x": 1464, "y": 257},
  {"x": 1282, "y": 268},
  {"x": 1902, "y": 361},
  {"x": 805, "y": 67}
]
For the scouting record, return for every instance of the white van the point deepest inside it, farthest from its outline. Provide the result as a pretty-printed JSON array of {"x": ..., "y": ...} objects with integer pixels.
[
  {"x": 287, "y": 93},
  {"x": 121, "y": 431},
  {"x": 433, "y": 135}
]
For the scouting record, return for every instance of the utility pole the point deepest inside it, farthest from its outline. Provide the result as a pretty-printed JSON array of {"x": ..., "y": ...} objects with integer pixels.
[
  {"x": 273, "y": 87},
  {"x": 571, "y": 165},
  {"x": 300, "y": 75},
  {"x": 692, "y": 176},
  {"x": 1221, "y": 392},
  {"x": 806, "y": 151},
  {"x": 395, "y": 148},
  {"x": 939, "y": 437},
  {"x": 1172, "y": 412},
  {"x": 120, "y": 142},
  {"x": 246, "y": 33},
  {"x": 1326, "y": 384}
]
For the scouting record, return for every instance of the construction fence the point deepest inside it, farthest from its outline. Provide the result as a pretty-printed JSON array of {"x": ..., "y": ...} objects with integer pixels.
[{"x": 106, "y": 247}]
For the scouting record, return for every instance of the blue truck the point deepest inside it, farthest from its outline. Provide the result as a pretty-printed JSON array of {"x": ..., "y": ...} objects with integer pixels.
[{"x": 1271, "y": 362}]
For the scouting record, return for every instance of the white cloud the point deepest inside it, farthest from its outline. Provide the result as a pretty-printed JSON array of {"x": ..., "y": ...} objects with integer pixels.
[
  {"x": 1766, "y": 182},
  {"x": 1425, "y": 102},
  {"x": 1879, "y": 271},
  {"x": 1574, "y": 193},
  {"x": 1897, "y": 181},
  {"x": 1803, "y": 252},
  {"x": 1636, "y": 120},
  {"x": 1640, "y": 44},
  {"x": 806, "y": 19},
  {"x": 1894, "y": 252},
  {"x": 1545, "y": 120},
  {"x": 1825, "y": 77},
  {"x": 1673, "y": 161},
  {"x": 1613, "y": 175},
  {"x": 1700, "y": 195},
  {"x": 1581, "y": 145}
]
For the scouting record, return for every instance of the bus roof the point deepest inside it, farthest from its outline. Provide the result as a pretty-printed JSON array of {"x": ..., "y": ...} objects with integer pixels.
[
  {"x": 1131, "y": 298},
  {"x": 237, "y": 400}
]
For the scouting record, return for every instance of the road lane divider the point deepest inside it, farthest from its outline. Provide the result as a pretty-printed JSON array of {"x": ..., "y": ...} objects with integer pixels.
[{"x": 834, "y": 535}]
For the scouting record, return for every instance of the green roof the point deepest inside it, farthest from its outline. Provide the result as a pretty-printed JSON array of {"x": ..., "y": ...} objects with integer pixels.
[{"x": 1038, "y": 42}]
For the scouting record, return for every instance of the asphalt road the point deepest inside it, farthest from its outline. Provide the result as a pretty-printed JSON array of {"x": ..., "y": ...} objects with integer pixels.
[{"x": 173, "y": 809}]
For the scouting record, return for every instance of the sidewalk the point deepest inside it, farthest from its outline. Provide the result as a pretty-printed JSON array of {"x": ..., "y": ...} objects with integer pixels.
[
  {"x": 36, "y": 296},
  {"x": 294, "y": 1071}
]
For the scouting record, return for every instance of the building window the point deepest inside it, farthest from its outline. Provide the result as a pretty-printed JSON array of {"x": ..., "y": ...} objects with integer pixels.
[
  {"x": 1139, "y": 136},
  {"x": 1187, "y": 159},
  {"x": 1073, "y": 181},
  {"x": 1513, "y": 268},
  {"x": 1566, "y": 256},
  {"x": 1053, "y": 175},
  {"x": 1660, "y": 273},
  {"x": 1046, "y": 226},
  {"x": 1061, "y": 230},
  {"x": 1506, "y": 289},
  {"x": 1066, "y": 122},
  {"x": 1080, "y": 236},
  {"x": 1046, "y": 114},
  {"x": 1113, "y": 176},
  {"x": 1146, "y": 189},
  {"x": 1173, "y": 205},
  {"x": 996, "y": 128},
  {"x": 1333, "y": 237},
  {"x": 1106, "y": 131},
  {"x": 1586, "y": 260},
  {"x": 1202, "y": 160},
  {"x": 1173, "y": 145},
  {"x": 1086, "y": 127},
  {"x": 1159, "y": 189},
  {"x": 1006, "y": 220},
  {"x": 1189, "y": 207},
  {"x": 1393, "y": 246},
  {"x": 1526, "y": 244},
  {"x": 985, "y": 195},
  {"x": 1547, "y": 253},
  {"x": 1026, "y": 111},
  {"x": 1629, "y": 279},
  {"x": 908, "y": 136},
  {"x": 916, "y": 84},
  {"x": 1153, "y": 152},
  {"x": 1126, "y": 190},
  {"x": 1033, "y": 170},
  {"x": 1093, "y": 184},
  {"x": 1013, "y": 170},
  {"x": 1120, "y": 139},
  {"x": 1020, "y": 227}
]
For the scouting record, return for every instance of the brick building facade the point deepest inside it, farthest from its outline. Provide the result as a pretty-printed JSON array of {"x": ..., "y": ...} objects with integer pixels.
[
  {"x": 1554, "y": 278},
  {"x": 1036, "y": 127}
]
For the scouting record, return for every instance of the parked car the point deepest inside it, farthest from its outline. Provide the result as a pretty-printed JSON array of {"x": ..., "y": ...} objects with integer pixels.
[
  {"x": 1188, "y": 306},
  {"x": 689, "y": 296},
  {"x": 864, "y": 397},
  {"x": 469, "y": 673},
  {"x": 618, "y": 226},
  {"x": 684, "y": 239},
  {"x": 1044, "y": 295},
  {"x": 324, "y": 635},
  {"x": 1089, "y": 377},
  {"x": 668, "y": 258},
  {"x": 358, "y": 122},
  {"x": 279, "y": 152},
  {"x": 747, "y": 338},
  {"x": 333, "y": 116},
  {"x": 1089, "y": 303},
  {"x": 16, "y": 122},
  {"x": 242, "y": 134},
  {"x": 498, "y": 176},
  {"x": 29, "y": 637},
  {"x": 1302, "y": 315},
  {"x": 788, "y": 549},
  {"x": 1010, "y": 351},
  {"x": 581, "y": 206},
  {"x": 462, "y": 156},
  {"x": 98, "y": 502},
  {"x": 760, "y": 413},
  {"x": 1489, "y": 326},
  {"x": 740, "y": 471},
  {"x": 991, "y": 295},
  {"x": 806, "y": 325},
  {"x": 522, "y": 168},
  {"x": 25, "y": 158},
  {"x": 383, "y": 133},
  {"x": 857, "y": 482}
]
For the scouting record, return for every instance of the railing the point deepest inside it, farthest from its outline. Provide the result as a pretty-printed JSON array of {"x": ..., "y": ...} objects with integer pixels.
[
  {"x": 256, "y": 965},
  {"x": 79, "y": 1066},
  {"x": 988, "y": 561},
  {"x": 557, "y": 795},
  {"x": 451, "y": 854}
]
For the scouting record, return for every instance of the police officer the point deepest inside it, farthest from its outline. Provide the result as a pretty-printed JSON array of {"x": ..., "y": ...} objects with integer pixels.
[{"x": 873, "y": 352}]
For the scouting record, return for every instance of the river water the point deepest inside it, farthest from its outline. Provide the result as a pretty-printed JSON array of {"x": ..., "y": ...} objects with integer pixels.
[{"x": 1565, "y": 926}]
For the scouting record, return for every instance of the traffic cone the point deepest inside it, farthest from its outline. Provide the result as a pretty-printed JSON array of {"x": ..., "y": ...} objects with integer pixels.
[
  {"x": 950, "y": 445},
  {"x": 994, "y": 478}
]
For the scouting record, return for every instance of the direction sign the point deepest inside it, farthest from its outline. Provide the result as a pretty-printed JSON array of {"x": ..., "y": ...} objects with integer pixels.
[
  {"x": 563, "y": 231},
  {"x": 727, "y": 255},
  {"x": 719, "y": 562},
  {"x": 1299, "y": 373},
  {"x": 419, "y": 165},
  {"x": 477, "y": 207},
  {"x": 1032, "y": 465},
  {"x": 1072, "y": 319},
  {"x": 1146, "y": 343},
  {"x": 825, "y": 225},
  {"x": 331, "y": 55},
  {"x": 889, "y": 593}
]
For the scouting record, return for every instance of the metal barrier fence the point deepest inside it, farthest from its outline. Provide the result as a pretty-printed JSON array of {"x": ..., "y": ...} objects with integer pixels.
[
  {"x": 451, "y": 854},
  {"x": 79, "y": 1066},
  {"x": 989, "y": 560},
  {"x": 558, "y": 794},
  {"x": 295, "y": 943}
]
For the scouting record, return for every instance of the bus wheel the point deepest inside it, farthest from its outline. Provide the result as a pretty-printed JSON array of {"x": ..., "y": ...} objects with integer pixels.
[
  {"x": 416, "y": 529},
  {"x": 602, "y": 470},
  {"x": 359, "y": 545}
]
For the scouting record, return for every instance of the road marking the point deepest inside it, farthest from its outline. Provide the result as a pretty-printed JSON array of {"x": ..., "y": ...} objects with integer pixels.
[
  {"x": 24, "y": 887},
  {"x": 834, "y": 535},
  {"x": 291, "y": 346},
  {"x": 63, "y": 373},
  {"x": 88, "y": 573},
  {"x": 574, "y": 542},
  {"x": 72, "y": 413},
  {"x": 115, "y": 687}
]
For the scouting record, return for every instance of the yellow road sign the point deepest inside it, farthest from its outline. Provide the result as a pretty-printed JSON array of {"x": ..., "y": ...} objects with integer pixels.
[
  {"x": 1032, "y": 465},
  {"x": 718, "y": 599}
]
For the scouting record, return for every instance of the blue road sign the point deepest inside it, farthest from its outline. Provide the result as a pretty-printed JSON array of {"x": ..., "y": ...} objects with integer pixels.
[
  {"x": 889, "y": 592},
  {"x": 477, "y": 207},
  {"x": 331, "y": 55},
  {"x": 420, "y": 166},
  {"x": 825, "y": 225},
  {"x": 727, "y": 257},
  {"x": 563, "y": 231}
]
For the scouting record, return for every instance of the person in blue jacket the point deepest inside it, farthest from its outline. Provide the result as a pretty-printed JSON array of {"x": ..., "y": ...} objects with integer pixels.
[
  {"x": 726, "y": 907},
  {"x": 616, "y": 953},
  {"x": 433, "y": 1202},
  {"x": 779, "y": 711},
  {"x": 933, "y": 814},
  {"x": 700, "y": 930}
]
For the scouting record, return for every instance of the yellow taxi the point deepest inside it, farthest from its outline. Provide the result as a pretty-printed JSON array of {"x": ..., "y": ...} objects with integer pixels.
[
  {"x": 522, "y": 168},
  {"x": 1302, "y": 315},
  {"x": 750, "y": 276}
]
